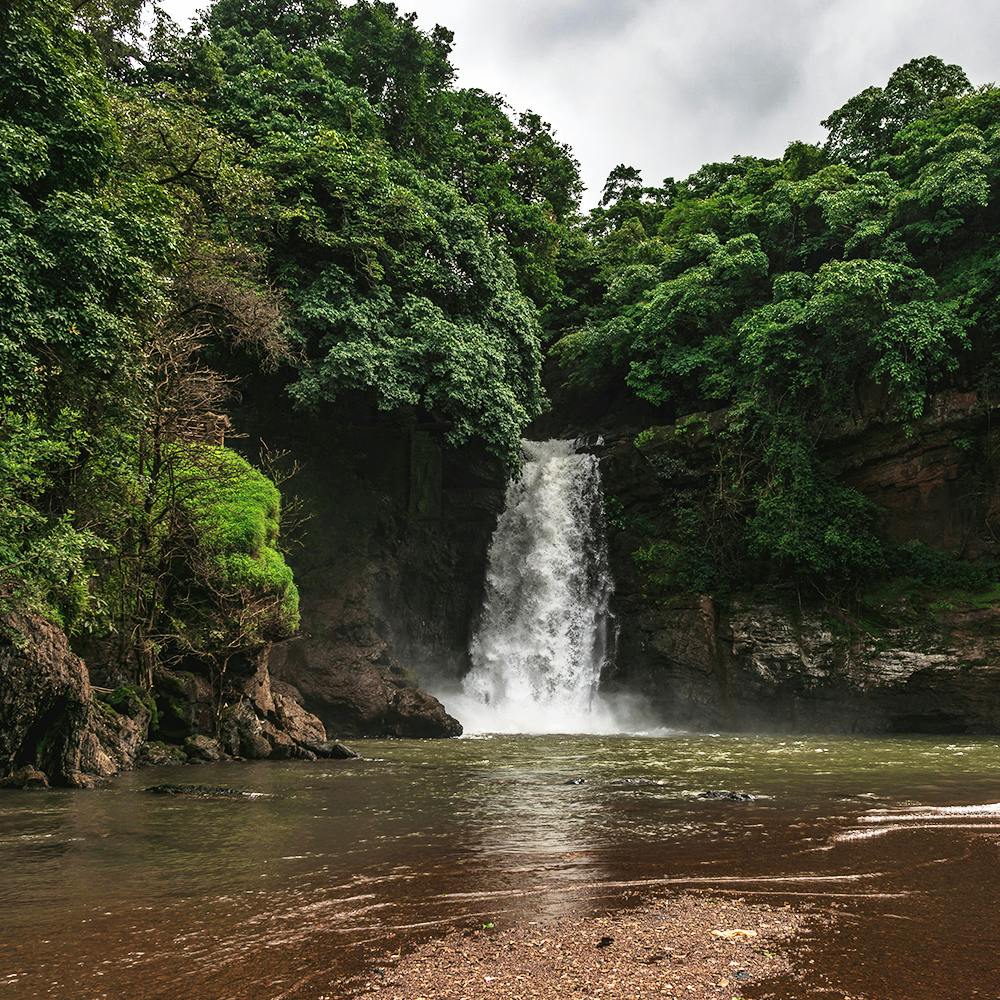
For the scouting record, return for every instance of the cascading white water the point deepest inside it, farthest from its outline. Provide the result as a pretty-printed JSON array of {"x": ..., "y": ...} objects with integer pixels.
[{"x": 542, "y": 641}]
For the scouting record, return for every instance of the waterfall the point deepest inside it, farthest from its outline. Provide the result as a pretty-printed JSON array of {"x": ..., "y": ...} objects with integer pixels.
[{"x": 543, "y": 638}]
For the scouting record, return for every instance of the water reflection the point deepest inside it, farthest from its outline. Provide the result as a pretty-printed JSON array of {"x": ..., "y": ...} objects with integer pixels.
[{"x": 120, "y": 893}]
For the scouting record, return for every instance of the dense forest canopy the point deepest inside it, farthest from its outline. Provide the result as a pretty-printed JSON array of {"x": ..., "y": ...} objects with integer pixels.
[
  {"x": 797, "y": 297},
  {"x": 303, "y": 185}
]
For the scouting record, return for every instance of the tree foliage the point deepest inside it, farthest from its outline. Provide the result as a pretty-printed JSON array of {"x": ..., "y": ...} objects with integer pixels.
[
  {"x": 298, "y": 188},
  {"x": 801, "y": 296}
]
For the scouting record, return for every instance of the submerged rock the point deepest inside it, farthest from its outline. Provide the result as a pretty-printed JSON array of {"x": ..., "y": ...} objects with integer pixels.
[
  {"x": 198, "y": 791},
  {"x": 332, "y": 750},
  {"x": 717, "y": 795}
]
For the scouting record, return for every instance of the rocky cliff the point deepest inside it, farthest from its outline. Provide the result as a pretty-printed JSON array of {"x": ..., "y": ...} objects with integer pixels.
[
  {"x": 899, "y": 658},
  {"x": 391, "y": 565},
  {"x": 58, "y": 728}
]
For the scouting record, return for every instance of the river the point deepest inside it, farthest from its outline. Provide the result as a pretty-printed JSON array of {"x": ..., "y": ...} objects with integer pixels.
[{"x": 302, "y": 887}]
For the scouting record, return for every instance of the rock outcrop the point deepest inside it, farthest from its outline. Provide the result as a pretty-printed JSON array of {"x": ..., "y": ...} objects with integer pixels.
[
  {"x": 50, "y": 721},
  {"x": 57, "y": 729},
  {"x": 391, "y": 580},
  {"x": 358, "y": 698},
  {"x": 763, "y": 664}
]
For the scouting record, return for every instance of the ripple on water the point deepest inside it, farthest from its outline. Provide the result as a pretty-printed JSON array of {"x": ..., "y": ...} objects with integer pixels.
[{"x": 426, "y": 835}]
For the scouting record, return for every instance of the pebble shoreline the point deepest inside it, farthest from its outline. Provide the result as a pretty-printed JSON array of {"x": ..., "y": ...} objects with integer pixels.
[{"x": 682, "y": 946}]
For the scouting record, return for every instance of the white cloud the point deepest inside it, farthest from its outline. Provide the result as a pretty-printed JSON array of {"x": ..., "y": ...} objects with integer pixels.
[{"x": 667, "y": 85}]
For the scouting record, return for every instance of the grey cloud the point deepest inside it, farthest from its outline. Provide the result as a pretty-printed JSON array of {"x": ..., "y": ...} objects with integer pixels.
[{"x": 555, "y": 24}]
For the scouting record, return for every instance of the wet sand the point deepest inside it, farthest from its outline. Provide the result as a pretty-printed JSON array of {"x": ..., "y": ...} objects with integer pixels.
[{"x": 689, "y": 946}]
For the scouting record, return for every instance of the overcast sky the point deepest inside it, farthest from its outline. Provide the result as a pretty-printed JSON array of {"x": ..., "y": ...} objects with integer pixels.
[{"x": 666, "y": 85}]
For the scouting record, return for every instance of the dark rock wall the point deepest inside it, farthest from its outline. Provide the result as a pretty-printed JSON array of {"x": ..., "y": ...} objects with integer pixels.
[
  {"x": 390, "y": 568},
  {"x": 771, "y": 659},
  {"x": 761, "y": 665}
]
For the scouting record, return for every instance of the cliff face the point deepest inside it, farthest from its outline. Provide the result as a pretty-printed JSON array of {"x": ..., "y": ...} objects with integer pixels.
[
  {"x": 391, "y": 572},
  {"x": 757, "y": 664},
  {"x": 774, "y": 659}
]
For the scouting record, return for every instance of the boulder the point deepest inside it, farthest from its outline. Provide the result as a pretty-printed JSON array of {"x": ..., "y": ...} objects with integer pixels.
[
  {"x": 300, "y": 725},
  {"x": 49, "y": 719},
  {"x": 242, "y": 734},
  {"x": 156, "y": 753},
  {"x": 415, "y": 713},
  {"x": 283, "y": 747},
  {"x": 203, "y": 750},
  {"x": 25, "y": 777},
  {"x": 332, "y": 750},
  {"x": 353, "y": 696}
]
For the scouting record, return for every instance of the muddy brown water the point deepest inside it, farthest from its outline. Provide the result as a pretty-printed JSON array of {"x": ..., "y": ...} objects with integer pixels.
[{"x": 304, "y": 886}]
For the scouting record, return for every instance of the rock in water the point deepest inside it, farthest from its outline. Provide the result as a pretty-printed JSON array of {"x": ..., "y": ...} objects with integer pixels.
[
  {"x": 25, "y": 777},
  {"x": 357, "y": 698},
  {"x": 301, "y": 726},
  {"x": 716, "y": 795},
  {"x": 331, "y": 750},
  {"x": 198, "y": 791},
  {"x": 49, "y": 721}
]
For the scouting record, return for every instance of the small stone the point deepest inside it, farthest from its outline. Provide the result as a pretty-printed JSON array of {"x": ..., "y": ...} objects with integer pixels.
[
  {"x": 203, "y": 749},
  {"x": 25, "y": 777}
]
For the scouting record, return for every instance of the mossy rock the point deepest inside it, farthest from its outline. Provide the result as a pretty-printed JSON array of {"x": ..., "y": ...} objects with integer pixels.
[
  {"x": 157, "y": 753},
  {"x": 132, "y": 701}
]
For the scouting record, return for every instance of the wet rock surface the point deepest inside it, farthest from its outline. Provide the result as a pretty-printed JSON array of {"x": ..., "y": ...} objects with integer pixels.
[
  {"x": 203, "y": 750},
  {"x": 24, "y": 778},
  {"x": 332, "y": 750},
  {"x": 358, "y": 698},
  {"x": 198, "y": 791}
]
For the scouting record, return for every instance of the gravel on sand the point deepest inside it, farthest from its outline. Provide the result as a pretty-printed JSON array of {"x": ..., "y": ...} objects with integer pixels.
[{"x": 686, "y": 946}]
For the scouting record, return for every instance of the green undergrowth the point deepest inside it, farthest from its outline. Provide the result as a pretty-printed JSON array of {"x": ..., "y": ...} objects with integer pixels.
[{"x": 130, "y": 700}]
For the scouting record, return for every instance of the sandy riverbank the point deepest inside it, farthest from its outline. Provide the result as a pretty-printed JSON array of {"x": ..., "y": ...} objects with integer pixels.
[{"x": 683, "y": 946}]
